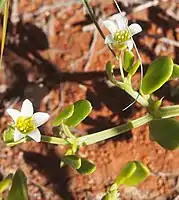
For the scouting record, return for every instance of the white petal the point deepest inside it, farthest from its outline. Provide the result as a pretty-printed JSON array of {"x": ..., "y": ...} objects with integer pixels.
[
  {"x": 27, "y": 109},
  {"x": 35, "y": 135},
  {"x": 13, "y": 113},
  {"x": 121, "y": 20},
  {"x": 111, "y": 26},
  {"x": 130, "y": 44},
  {"x": 40, "y": 118},
  {"x": 109, "y": 39},
  {"x": 135, "y": 28},
  {"x": 17, "y": 135}
]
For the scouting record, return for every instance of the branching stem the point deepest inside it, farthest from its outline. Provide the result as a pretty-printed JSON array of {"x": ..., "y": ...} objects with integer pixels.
[{"x": 165, "y": 112}]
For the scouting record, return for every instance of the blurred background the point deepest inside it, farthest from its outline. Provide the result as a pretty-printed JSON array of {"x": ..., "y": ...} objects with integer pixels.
[{"x": 54, "y": 56}]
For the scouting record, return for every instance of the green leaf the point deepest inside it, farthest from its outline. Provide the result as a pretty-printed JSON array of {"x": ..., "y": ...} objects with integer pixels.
[
  {"x": 154, "y": 105},
  {"x": 165, "y": 132},
  {"x": 157, "y": 74},
  {"x": 109, "y": 71},
  {"x": 126, "y": 172},
  {"x": 175, "y": 73},
  {"x": 18, "y": 189},
  {"x": 64, "y": 114},
  {"x": 140, "y": 174},
  {"x": 82, "y": 109},
  {"x": 86, "y": 167},
  {"x": 72, "y": 160},
  {"x": 134, "y": 68},
  {"x": 5, "y": 183},
  {"x": 68, "y": 152},
  {"x": 107, "y": 196},
  {"x": 132, "y": 174},
  {"x": 128, "y": 60},
  {"x": 157, "y": 104},
  {"x": 8, "y": 135},
  {"x": 111, "y": 196}
]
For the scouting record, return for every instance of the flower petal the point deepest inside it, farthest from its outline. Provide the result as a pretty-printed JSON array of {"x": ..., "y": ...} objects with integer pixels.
[
  {"x": 111, "y": 26},
  {"x": 13, "y": 113},
  {"x": 130, "y": 44},
  {"x": 121, "y": 20},
  {"x": 27, "y": 109},
  {"x": 35, "y": 135},
  {"x": 135, "y": 28},
  {"x": 109, "y": 39},
  {"x": 40, "y": 118},
  {"x": 17, "y": 135}
]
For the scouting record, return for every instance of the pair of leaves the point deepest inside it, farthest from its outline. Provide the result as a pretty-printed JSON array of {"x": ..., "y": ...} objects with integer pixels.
[
  {"x": 158, "y": 73},
  {"x": 73, "y": 114},
  {"x": 129, "y": 64},
  {"x": 132, "y": 174},
  {"x": 18, "y": 190},
  {"x": 165, "y": 132},
  {"x": 82, "y": 165}
]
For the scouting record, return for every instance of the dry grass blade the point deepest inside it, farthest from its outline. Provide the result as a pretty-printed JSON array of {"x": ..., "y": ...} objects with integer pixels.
[{"x": 5, "y": 19}]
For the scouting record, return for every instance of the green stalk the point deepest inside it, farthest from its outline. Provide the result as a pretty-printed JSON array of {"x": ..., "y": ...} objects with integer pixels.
[
  {"x": 169, "y": 111},
  {"x": 120, "y": 66},
  {"x": 102, "y": 135},
  {"x": 109, "y": 133},
  {"x": 128, "y": 89},
  {"x": 165, "y": 112},
  {"x": 67, "y": 131},
  {"x": 53, "y": 140},
  {"x": 140, "y": 99}
]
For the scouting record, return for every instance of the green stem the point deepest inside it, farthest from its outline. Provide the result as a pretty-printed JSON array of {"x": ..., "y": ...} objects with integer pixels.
[
  {"x": 169, "y": 111},
  {"x": 53, "y": 140},
  {"x": 165, "y": 112},
  {"x": 128, "y": 88},
  {"x": 102, "y": 135},
  {"x": 120, "y": 66},
  {"x": 67, "y": 131},
  {"x": 109, "y": 133}
]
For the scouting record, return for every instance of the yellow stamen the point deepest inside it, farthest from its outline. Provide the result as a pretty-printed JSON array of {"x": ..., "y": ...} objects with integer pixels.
[
  {"x": 122, "y": 36},
  {"x": 25, "y": 124}
]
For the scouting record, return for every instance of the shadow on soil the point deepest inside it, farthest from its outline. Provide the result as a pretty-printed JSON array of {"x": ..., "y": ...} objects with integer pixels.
[
  {"x": 26, "y": 48},
  {"x": 49, "y": 165},
  {"x": 26, "y": 44}
]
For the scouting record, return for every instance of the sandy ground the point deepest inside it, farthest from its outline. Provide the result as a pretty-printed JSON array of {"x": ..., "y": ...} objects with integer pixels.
[{"x": 54, "y": 56}]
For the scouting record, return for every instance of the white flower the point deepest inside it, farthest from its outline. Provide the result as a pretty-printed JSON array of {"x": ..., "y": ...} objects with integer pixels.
[
  {"x": 120, "y": 32},
  {"x": 27, "y": 123}
]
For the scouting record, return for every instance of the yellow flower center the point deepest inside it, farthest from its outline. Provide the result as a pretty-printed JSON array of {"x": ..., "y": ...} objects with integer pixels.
[
  {"x": 25, "y": 124},
  {"x": 122, "y": 36}
]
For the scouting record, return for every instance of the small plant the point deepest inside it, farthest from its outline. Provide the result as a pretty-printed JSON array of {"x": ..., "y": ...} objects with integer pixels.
[{"x": 164, "y": 128}]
